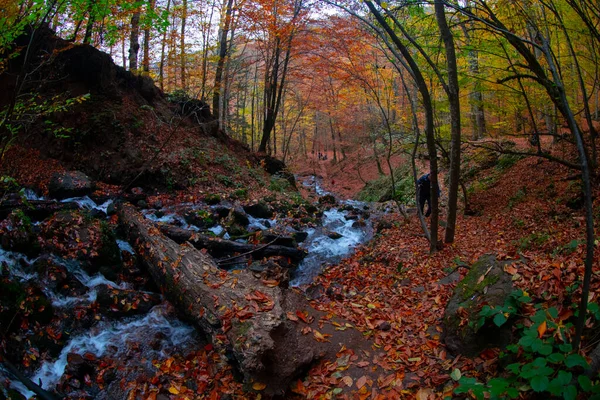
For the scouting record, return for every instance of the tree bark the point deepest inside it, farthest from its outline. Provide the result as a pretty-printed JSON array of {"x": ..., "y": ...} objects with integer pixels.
[
  {"x": 134, "y": 43},
  {"x": 453, "y": 99},
  {"x": 218, "y": 90}
]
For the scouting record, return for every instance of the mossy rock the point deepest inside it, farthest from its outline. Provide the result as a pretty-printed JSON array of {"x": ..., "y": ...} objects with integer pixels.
[
  {"x": 19, "y": 234},
  {"x": 486, "y": 283}
]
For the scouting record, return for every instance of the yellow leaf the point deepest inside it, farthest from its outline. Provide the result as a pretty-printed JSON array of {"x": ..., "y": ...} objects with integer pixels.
[
  {"x": 173, "y": 390},
  {"x": 258, "y": 386}
]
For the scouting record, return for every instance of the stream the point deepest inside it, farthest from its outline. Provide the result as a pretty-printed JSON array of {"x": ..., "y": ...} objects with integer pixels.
[{"x": 336, "y": 237}]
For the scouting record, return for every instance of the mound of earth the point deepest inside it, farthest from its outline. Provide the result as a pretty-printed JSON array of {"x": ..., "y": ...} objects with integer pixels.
[{"x": 100, "y": 119}]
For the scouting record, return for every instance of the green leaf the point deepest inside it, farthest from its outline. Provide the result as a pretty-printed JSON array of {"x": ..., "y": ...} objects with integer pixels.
[
  {"x": 545, "y": 350},
  {"x": 574, "y": 360},
  {"x": 526, "y": 341},
  {"x": 514, "y": 368},
  {"x": 337, "y": 390},
  {"x": 556, "y": 358},
  {"x": 539, "y": 383},
  {"x": 455, "y": 375},
  {"x": 553, "y": 312},
  {"x": 570, "y": 393},
  {"x": 564, "y": 377},
  {"x": 499, "y": 319},
  {"x": 585, "y": 383},
  {"x": 565, "y": 348}
]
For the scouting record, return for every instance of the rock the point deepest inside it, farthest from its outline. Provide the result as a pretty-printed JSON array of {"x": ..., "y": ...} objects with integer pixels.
[
  {"x": 382, "y": 224},
  {"x": 384, "y": 326},
  {"x": 334, "y": 235},
  {"x": 278, "y": 239},
  {"x": 452, "y": 278},
  {"x": 70, "y": 184},
  {"x": 18, "y": 234},
  {"x": 74, "y": 235},
  {"x": 238, "y": 216},
  {"x": 58, "y": 278},
  {"x": 118, "y": 303},
  {"x": 300, "y": 236},
  {"x": 359, "y": 224},
  {"x": 259, "y": 210},
  {"x": 142, "y": 204},
  {"x": 486, "y": 283},
  {"x": 327, "y": 199},
  {"x": 110, "y": 209}
]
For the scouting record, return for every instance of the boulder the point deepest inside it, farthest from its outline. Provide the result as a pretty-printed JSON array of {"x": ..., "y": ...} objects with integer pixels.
[
  {"x": 486, "y": 283},
  {"x": 259, "y": 210},
  {"x": 70, "y": 184}
]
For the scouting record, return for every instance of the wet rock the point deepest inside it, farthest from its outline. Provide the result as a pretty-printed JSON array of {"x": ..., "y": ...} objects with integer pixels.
[
  {"x": 359, "y": 224},
  {"x": 486, "y": 283},
  {"x": 238, "y": 216},
  {"x": 259, "y": 210},
  {"x": 70, "y": 184},
  {"x": 201, "y": 218},
  {"x": 278, "y": 239},
  {"x": 58, "y": 278},
  {"x": 142, "y": 204},
  {"x": 19, "y": 234},
  {"x": 327, "y": 199},
  {"x": 300, "y": 236},
  {"x": 335, "y": 235},
  {"x": 74, "y": 235},
  {"x": 118, "y": 303},
  {"x": 351, "y": 217},
  {"x": 212, "y": 199}
]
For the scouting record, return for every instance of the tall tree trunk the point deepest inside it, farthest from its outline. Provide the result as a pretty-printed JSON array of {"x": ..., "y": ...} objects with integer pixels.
[
  {"x": 134, "y": 44},
  {"x": 218, "y": 89},
  {"x": 182, "y": 60},
  {"x": 87, "y": 38},
  {"x": 146, "y": 57},
  {"x": 161, "y": 68},
  {"x": 455, "y": 132}
]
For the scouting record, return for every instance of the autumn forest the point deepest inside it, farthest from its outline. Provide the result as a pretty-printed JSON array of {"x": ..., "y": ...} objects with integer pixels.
[{"x": 205, "y": 199}]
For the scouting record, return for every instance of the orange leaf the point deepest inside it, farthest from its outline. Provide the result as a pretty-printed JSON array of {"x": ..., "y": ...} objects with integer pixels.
[
  {"x": 258, "y": 386},
  {"x": 542, "y": 329},
  {"x": 347, "y": 380},
  {"x": 291, "y": 316}
]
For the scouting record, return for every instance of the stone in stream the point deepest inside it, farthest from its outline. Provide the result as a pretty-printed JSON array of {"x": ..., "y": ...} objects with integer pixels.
[
  {"x": 70, "y": 184},
  {"x": 259, "y": 210}
]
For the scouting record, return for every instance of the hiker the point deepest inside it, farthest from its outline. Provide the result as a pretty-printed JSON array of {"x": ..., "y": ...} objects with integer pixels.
[{"x": 424, "y": 193}]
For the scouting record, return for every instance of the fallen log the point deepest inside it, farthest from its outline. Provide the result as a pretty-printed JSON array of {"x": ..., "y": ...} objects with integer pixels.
[
  {"x": 218, "y": 247},
  {"x": 243, "y": 316}
]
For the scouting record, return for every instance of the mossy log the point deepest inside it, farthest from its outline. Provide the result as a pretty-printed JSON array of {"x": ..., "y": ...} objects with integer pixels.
[{"x": 244, "y": 317}]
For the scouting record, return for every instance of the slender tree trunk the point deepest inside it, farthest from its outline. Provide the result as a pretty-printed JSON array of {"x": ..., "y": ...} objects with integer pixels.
[
  {"x": 146, "y": 57},
  {"x": 87, "y": 38},
  {"x": 134, "y": 44},
  {"x": 218, "y": 89},
  {"x": 161, "y": 68},
  {"x": 453, "y": 98},
  {"x": 182, "y": 55}
]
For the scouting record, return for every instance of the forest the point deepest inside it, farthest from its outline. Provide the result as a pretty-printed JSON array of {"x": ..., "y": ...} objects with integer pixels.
[{"x": 226, "y": 199}]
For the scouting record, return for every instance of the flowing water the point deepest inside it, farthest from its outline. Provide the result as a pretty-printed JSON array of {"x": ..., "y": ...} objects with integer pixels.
[
  {"x": 336, "y": 238},
  {"x": 322, "y": 248}
]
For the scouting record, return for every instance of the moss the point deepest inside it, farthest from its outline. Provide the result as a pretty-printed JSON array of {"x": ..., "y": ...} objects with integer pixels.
[{"x": 469, "y": 286}]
